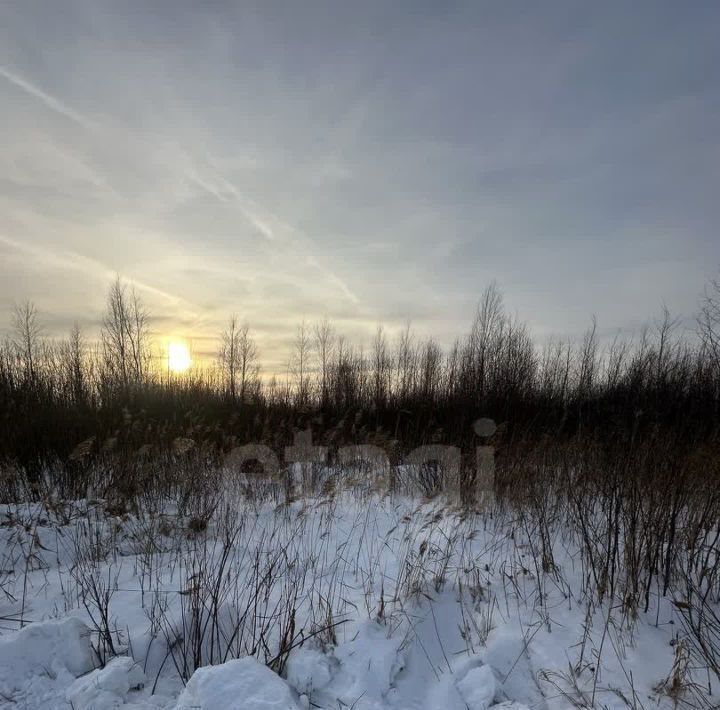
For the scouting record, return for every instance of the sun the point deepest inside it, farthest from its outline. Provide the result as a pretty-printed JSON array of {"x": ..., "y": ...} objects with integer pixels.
[{"x": 178, "y": 357}]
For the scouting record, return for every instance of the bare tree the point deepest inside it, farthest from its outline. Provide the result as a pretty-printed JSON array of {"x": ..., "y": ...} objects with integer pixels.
[
  {"x": 26, "y": 341},
  {"x": 238, "y": 359},
  {"x": 452, "y": 370},
  {"x": 139, "y": 336},
  {"x": 406, "y": 361},
  {"x": 380, "y": 367},
  {"x": 665, "y": 327},
  {"x": 552, "y": 374},
  {"x": 485, "y": 342},
  {"x": 341, "y": 373},
  {"x": 615, "y": 361},
  {"x": 430, "y": 370},
  {"x": 324, "y": 344},
  {"x": 248, "y": 362},
  {"x": 709, "y": 321},
  {"x": 228, "y": 355},
  {"x": 300, "y": 364},
  {"x": 125, "y": 336},
  {"x": 587, "y": 367},
  {"x": 73, "y": 353}
]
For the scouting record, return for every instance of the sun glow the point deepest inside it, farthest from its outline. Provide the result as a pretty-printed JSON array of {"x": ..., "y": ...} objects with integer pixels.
[{"x": 178, "y": 357}]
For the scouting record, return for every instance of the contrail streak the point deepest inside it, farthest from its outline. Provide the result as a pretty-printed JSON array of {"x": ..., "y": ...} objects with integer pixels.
[{"x": 50, "y": 101}]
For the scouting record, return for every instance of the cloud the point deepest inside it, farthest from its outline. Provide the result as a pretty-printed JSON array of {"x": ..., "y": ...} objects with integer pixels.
[
  {"x": 64, "y": 259},
  {"x": 228, "y": 191},
  {"x": 369, "y": 163},
  {"x": 49, "y": 101},
  {"x": 339, "y": 283}
]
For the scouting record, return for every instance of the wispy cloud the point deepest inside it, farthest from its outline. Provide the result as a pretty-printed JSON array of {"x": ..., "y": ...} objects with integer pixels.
[
  {"x": 70, "y": 260},
  {"x": 50, "y": 101},
  {"x": 269, "y": 225},
  {"x": 287, "y": 164},
  {"x": 227, "y": 190},
  {"x": 335, "y": 280}
]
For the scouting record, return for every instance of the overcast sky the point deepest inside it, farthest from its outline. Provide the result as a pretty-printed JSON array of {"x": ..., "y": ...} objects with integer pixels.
[{"x": 365, "y": 161}]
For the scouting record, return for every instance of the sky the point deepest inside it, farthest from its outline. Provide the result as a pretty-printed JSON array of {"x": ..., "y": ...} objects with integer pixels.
[{"x": 366, "y": 162}]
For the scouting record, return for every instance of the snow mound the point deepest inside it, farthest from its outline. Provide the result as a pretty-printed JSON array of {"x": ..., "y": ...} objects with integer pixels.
[
  {"x": 308, "y": 670},
  {"x": 470, "y": 686},
  {"x": 242, "y": 684},
  {"x": 507, "y": 654},
  {"x": 477, "y": 688},
  {"x": 50, "y": 650},
  {"x": 106, "y": 687},
  {"x": 369, "y": 665}
]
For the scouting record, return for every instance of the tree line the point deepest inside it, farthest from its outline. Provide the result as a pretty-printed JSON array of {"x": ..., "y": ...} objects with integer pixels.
[{"x": 404, "y": 390}]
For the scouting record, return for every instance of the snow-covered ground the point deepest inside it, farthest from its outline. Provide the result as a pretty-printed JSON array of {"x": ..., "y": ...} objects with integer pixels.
[{"x": 343, "y": 600}]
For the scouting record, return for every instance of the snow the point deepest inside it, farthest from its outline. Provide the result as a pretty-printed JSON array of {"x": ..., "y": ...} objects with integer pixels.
[
  {"x": 106, "y": 687},
  {"x": 309, "y": 670},
  {"x": 369, "y": 665},
  {"x": 430, "y": 609},
  {"x": 39, "y": 657},
  {"x": 507, "y": 655},
  {"x": 477, "y": 688},
  {"x": 242, "y": 684}
]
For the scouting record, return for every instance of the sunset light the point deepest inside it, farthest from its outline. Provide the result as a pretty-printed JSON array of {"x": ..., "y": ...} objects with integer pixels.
[
  {"x": 178, "y": 357},
  {"x": 360, "y": 354}
]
